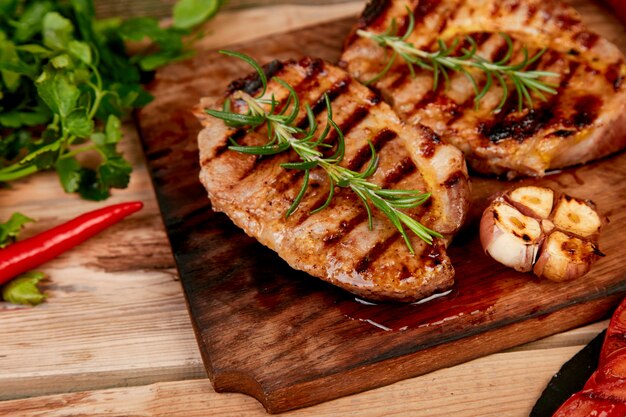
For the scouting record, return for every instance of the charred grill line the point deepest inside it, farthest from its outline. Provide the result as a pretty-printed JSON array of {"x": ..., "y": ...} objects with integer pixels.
[
  {"x": 364, "y": 154},
  {"x": 361, "y": 157},
  {"x": 531, "y": 122},
  {"x": 379, "y": 248},
  {"x": 439, "y": 94},
  {"x": 333, "y": 93},
  {"x": 460, "y": 110},
  {"x": 510, "y": 106},
  {"x": 404, "y": 168},
  {"x": 356, "y": 117}
]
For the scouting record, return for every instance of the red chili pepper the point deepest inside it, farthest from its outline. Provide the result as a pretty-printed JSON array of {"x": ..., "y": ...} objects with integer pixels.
[{"x": 27, "y": 254}]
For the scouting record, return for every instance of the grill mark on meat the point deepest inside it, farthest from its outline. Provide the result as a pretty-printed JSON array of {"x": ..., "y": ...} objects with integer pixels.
[
  {"x": 423, "y": 9},
  {"x": 332, "y": 95},
  {"x": 438, "y": 95},
  {"x": 364, "y": 154},
  {"x": 338, "y": 88},
  {"x": 431, "y": 255},
  {"x": 428, "y": 148},
  {"x": 335, "y": 91},
  {"x": 375, "y": 11},
  {"x": 344, "y": 227},
  {"x": 400, "y": 171},
  {"x": 530, "y": 13},
  {"x": 405, "y": 168},
  {"x": 613, "y": 75},
  {"x": 379, "y": 248},
  {"x": 587, "y": 39},
  {"x": 453, "y": 179},
  {"x": 586, "y": 110},
  {"x": 356, "y": 117},
  {"x": 531, "y": 122},
  {"x": 401, "y": 78},
  {"x": 509, "y": 105},
  {"x": 252, "y": 83}
]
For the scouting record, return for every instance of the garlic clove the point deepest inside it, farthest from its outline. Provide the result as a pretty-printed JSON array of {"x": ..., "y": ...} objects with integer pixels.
[
  {"x": 576, "y": 216},
  {"x": 565, "y": 257},
  {"x": 539, "y": 199},
  {"x": 509, "y": 236}
]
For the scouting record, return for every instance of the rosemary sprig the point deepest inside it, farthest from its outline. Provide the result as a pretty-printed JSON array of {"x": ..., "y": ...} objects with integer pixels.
[
  {"x": 284, "y": 134},
  {"x": 441, "y": 61}
]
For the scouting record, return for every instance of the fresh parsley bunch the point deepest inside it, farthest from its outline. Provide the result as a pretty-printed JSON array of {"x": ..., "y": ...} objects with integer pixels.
[{"x": 66, "y": 80}]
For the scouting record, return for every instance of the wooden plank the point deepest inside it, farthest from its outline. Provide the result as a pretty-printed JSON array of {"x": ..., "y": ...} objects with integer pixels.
[
  {"x": 115, "y": 314},
  {"x": 503, "y": 384},
  {"x": 292, "y": 341}
]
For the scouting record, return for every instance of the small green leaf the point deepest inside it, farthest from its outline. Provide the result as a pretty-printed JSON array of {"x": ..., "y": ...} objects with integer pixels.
[
  {"x": 57, "y": 90},
  {"x": 190, "y": 13},
  {"x": 35, "y": 49},
  {"x": 69, "y": 171},
  {"x": 23, "y": 289},
  {"x": 57, "y": 31},
  {"x": 114, "y": 173},
  {"x": 90, "y": 188},
  {"x": 31, "y": 20},
  {"x": 10, "y": 60},
  {"x": 80, "y": 50},
  {"x": 79, "y": 124},
  {"x": 61, "y": 61},
  {"x": 12, "y": 227},
  {"x": 158, "y": 59},
  {"x": 15, "y": 119},
  {"x": 113, "y": 129},
  {"x": 11, "y": 80}
]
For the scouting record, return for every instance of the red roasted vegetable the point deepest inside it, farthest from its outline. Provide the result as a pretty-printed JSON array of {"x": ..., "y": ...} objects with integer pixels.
[
  {"x": 604, "y": 394},
  {"x": 27, "y": 254}
]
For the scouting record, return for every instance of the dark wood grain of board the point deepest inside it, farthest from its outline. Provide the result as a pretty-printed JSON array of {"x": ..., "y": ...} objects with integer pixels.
[{"x": 291, "y": 340}]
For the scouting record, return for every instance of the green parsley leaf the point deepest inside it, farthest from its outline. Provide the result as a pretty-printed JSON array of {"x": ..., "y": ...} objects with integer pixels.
[
  {"x": 12, "y": 227},
  {"x": 69, "y": 171},
  {"x": 113, "y": 129},
  {"x": 23, "y": 289},
  {"x": 31, "y": 21},
  {"x": 57, "y": 31},
  {"x": 15, "y": 119},
  {"x": 114, "y": 173},
  {"x": 58, "y": 91},
  {"x": 189, "y": 13},
  {"x": 80, "y": 50},
  {"x": 79, "y": 124}
]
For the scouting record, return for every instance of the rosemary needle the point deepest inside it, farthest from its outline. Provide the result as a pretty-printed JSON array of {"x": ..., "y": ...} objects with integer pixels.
[
  {"x": 441, "y": 61},
  {"x": 283, "y": 134}
]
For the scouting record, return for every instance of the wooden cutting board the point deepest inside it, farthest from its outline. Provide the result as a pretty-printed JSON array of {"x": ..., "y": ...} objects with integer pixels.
[{"x": 291, "y": 340}]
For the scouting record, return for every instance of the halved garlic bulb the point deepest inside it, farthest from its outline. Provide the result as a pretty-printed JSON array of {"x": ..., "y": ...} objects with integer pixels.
[
  {"x": 510, "y": 237},
  {"x": 533, "y": 228}
]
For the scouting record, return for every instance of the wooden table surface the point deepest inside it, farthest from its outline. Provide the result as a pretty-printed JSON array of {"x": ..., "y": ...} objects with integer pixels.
[{"x": 115, "y": 338}]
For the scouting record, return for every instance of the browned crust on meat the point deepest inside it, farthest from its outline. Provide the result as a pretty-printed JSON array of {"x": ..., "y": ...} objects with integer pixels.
[
  {"x": 586, "y": 120},
  {"x": 335, "y": 244}
]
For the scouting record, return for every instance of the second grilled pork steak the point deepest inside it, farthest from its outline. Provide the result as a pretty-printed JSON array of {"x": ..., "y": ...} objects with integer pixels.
[
  {"x": 335, "y": 244},
  {"x": 585, "y": 120}
]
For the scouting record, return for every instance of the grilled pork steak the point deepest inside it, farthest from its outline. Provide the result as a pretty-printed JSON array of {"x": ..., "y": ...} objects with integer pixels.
[
  {"x": 585, "y": 120},
  {"x": 336, "y": 244}
]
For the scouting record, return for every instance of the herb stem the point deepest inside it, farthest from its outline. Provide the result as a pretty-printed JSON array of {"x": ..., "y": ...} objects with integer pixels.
[
  {"x": 440, "y": 61},
  {"x": 14, "y": 175}
]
